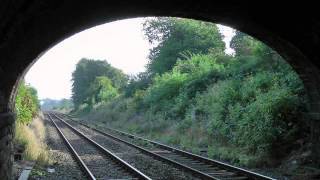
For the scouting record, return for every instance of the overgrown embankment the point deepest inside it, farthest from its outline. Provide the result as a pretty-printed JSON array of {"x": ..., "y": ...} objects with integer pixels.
[
  {"x": 29, "y": 128},
  {"x": 31, "y": 139},
  {"x": 246, "y": 119},
  {"x": 246, "y": 108}
]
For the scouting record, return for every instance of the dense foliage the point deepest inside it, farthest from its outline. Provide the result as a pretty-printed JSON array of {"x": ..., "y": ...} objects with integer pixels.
[
  {"x": 172, "y": 39},
  {"x": 174, "y": 36},
  {"x": 101, "y": 90},
  {"x": 87, "y": 71},
  {"x": 26, "y": 104},
  {"x": 243, "y": 108}
]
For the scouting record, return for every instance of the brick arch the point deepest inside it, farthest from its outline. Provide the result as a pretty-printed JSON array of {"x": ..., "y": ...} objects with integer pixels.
[{"x": 29, "y": 28}]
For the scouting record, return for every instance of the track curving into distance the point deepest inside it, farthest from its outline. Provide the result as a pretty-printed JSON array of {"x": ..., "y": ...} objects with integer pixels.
[{"x": 199, "y": 166}]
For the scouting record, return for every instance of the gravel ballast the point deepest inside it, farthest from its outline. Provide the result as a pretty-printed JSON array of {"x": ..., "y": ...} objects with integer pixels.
[
  {"x": 65, "y": 167},
  {"x": 150, "y": 166},
  {"x": 101, "y": 165}
]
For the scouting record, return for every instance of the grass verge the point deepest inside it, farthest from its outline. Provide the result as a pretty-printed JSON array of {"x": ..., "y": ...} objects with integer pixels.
[{"x": 32, "y": 139}]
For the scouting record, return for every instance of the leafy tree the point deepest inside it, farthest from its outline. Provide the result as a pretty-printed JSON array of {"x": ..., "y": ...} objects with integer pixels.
[
  {"x": 245, "y": 45},
  {"x": 249, "y": 50},
  {"x": 173, "y": 36},
  {"x": 101, "y": 90},
  {"x": 86, "y": 72},
  {"x": 27, "y": 103},
  {"x": 138, "y": 82}
]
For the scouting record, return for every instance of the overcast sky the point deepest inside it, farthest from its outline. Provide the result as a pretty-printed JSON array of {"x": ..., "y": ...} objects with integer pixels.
[{"x": 121, "y": 43}]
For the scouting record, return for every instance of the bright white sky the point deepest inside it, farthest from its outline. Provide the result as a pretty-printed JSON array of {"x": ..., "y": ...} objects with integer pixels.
[{"x": 121, "y": 43}]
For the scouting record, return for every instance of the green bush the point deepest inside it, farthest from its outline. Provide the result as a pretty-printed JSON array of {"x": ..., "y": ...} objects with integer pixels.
[
  {"x": 26, "y": 104},
  {"x": 172, "y": 91},
  {"x": 165, "y": 87},
  {"x": 253, "y": 113}
]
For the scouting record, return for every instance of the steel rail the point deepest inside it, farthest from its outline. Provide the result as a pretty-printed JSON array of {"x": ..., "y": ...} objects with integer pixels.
[
  {"x": 223, "y": 165},
  {"x": 73, "y": 151},
  {"x": 130, "y": 168},
  {"x": 159, "y": 157},
  {"x": 200, "y": 158}
]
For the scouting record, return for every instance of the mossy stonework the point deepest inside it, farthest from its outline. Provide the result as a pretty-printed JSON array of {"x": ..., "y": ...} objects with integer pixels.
[{"x": 29, "y": 28}]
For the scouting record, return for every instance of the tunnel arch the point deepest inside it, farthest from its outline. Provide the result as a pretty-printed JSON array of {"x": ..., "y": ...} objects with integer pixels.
[{"x": 29, "y": 28}]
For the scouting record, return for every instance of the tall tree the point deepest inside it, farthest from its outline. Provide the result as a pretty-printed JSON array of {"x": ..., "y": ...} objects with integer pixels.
[
  {"x": 245, "y": 46},
  {"x": 173, "y": 36},
  {"x": 86, "y": 72}
]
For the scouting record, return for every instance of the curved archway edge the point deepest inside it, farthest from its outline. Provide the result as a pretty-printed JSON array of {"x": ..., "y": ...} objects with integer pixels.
[{"x": 29, "y": 28}]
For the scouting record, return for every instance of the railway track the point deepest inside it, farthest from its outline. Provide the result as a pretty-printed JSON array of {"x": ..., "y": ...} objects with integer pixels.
[
  {"x": 199, "y": 166},
  {"x": 96, "y": 161}
]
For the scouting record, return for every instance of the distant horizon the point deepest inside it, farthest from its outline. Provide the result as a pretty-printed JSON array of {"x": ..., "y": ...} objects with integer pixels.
[{"x": 120, "y": 43}]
